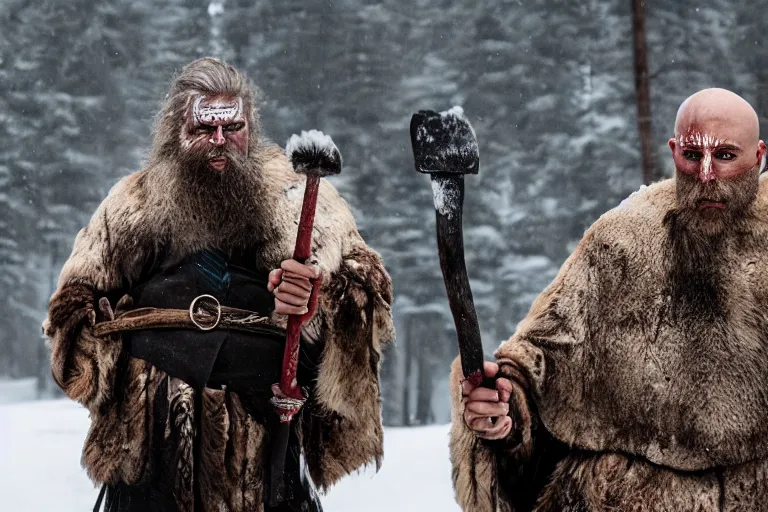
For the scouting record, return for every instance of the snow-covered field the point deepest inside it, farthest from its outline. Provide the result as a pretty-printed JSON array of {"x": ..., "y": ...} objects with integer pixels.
[{"x": 40, "y": 470}]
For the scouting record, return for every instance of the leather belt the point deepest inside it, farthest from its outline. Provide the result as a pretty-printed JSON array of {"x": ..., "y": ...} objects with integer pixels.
[{"x": 205, "y": 313}]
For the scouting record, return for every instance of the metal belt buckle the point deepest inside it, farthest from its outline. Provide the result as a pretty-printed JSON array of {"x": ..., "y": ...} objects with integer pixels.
[{"x": 192, "y": 313}]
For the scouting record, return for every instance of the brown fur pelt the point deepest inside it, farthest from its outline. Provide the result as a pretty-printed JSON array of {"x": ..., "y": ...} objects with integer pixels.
[
  {"x": 347, "y": 421},
  {"x": 614, "y": 367},
  {"x": 90, "y": 380},
  {"x": 341, "y": 424},
  {"x": 611, "y": 481}
]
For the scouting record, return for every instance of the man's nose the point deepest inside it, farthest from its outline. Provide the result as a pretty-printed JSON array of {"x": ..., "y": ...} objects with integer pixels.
[
  {"x": 706, "y": 172},
  {"x": 217, "y": 139}
]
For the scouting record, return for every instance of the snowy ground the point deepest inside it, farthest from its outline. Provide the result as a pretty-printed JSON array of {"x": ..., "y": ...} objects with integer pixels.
[
  {"x": 40, "y": 446},
  {"x": 17, "y": 390}
]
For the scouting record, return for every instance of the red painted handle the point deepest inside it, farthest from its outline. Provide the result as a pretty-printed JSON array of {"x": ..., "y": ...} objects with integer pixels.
[{"x": 288, "y": 384}]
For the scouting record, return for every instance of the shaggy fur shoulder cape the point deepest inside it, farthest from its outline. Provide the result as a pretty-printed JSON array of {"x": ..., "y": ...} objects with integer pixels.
[
  {"x": 655, "y": 412},
  {"x": 341, "y": 426}
]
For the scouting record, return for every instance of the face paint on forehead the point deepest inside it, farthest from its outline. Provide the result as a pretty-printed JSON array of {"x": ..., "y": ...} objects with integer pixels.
[
  {"x": 206, "y": 111},
  {"x": 697, "y": 139}
]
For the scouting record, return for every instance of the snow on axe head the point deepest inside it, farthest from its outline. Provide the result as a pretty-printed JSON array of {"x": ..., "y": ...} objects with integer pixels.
[
  {"x": 444, "y": 142},
  {"x": 445, "y": 147},
  {"x": 313, "y": 153}
]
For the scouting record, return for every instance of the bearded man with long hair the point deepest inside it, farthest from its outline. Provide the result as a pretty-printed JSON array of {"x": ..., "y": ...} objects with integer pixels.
[{"x": 180, "y": 413}]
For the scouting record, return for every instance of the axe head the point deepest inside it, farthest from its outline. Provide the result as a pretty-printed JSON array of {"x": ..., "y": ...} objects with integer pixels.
[
  {"x": 313, "y": 153},
  {"x": 444, "y": 143}
]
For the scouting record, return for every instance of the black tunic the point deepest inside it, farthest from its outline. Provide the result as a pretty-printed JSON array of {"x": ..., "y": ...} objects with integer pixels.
[{"x": 246, "y": 363}]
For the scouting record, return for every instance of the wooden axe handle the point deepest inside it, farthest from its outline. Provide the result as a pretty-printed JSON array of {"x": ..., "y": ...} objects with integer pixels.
[{"x": 450, "y": 247}]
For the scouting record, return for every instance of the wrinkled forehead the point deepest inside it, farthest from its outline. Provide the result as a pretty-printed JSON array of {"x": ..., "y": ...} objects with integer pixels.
[{"x": 216, "y": 109}]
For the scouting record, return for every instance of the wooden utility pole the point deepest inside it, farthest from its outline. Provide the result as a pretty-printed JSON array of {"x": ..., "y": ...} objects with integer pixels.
[{"x": 644, "y": 125}]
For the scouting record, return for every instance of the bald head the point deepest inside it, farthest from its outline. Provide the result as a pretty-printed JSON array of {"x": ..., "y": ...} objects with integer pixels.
[
  {"x": 718, "y": 111},
  {"x": 716, "y": 136}
]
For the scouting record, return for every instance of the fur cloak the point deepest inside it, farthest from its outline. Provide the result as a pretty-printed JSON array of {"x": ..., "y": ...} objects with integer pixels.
[
  {"x": 650, "y": 408},
  {"x": 340, "y": 428}
]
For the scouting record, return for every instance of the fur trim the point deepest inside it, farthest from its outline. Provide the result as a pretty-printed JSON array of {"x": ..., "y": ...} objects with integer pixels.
[
  {"x": 69, "y": 310},
  {"x": 232, "y": 453},
  {"x": 344, "y": 429},
  {"x": 609, "y": 481},
  {"x": 82, "y": 364},
  {"x": 234, "y": 447},
  {"x": 112, "y": 249},
  {"x": 475, "y": 461},
  {"x": 603, "y": 483},
  {"x": 118, "y": 441},
  {"x": 474, "y": 469}
]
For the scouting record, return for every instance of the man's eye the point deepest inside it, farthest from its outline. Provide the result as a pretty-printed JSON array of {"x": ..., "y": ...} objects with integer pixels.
[
  {"x": 233, "y": 127},
  {"x": 205, "y": 128},
  {"x": 689, "y": 154},
  {"x": 724, "y": 155}
]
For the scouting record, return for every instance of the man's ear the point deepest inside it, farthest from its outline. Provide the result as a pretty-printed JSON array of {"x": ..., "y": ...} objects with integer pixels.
[
  {"x": 673, "y": 144},
  {"x": 761, "y": 155}
]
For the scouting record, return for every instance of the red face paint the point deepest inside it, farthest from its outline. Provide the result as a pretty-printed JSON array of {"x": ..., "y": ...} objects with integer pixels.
[
  {"x": 215, "y": 125},
  {"x": 709, "y": 157}
]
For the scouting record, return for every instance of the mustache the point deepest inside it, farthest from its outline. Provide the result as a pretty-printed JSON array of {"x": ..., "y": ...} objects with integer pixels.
[
  {"x": 691, "y": 193},
  {"x": 696, "y": 193},
  {"x": 199, "y": 159},
  {"x": 218, "y": 152}
]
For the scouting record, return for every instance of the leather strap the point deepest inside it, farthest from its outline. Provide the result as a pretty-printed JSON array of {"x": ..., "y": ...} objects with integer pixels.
[{"x": 205, "y": 313}]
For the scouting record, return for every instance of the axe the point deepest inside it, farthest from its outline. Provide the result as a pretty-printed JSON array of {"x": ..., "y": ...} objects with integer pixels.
[
  {"x": 314, "y": 154},
  {"x": 445, "y": 147}
]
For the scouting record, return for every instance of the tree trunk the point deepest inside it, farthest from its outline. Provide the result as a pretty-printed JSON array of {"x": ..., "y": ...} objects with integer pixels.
[
  {"x": 644, "y": 120},
  {"x": 428, "y": 325},
  {"x": 409, "y": 337},
  {"x": 391, "y": 396}
]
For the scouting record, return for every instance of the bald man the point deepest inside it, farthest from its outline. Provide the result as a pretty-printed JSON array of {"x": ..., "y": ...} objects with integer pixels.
[{"x": 638, "y": 381}]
